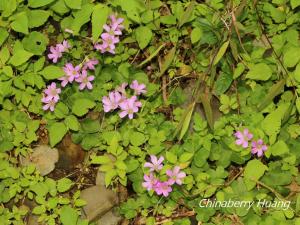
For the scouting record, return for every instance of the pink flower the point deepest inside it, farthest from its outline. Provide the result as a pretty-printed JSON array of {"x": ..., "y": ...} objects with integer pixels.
[
  {"x": 108, "y": 44},
  {"x": 243, "y": 138},
  {"x": 50, "y": 104},
  {"x": 129, "y": 107},
  {"x": 71, "y": 73},
  {"x": 85, "y": 80},
  {"x": 116, "y": 22},
  {"x": 64, "y": 46},
  {"x": 138, "y": 88},
  {"x": 150, "y": 182},
  {"x": 112, "y": 30},
  {"x": 90, "y": 64},
  {"x": 175, "y": 176},
  {"x": 258, "y": 147},
  {"x": 163, "y": 188},
  {"x": 122, "y": 88},
  {"x": 156, "y": 164},
  {"x": 111, "y": 102},
  {"x": 52, "y": 92},
  {"x": 55, "y": 54}
]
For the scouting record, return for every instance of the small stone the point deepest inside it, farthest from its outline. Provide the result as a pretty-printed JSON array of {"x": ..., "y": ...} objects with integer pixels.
[
  {"x": 43, "y": 157},
  {"x": 110, "y": 218},
  {"x": 99, "y": 201}
]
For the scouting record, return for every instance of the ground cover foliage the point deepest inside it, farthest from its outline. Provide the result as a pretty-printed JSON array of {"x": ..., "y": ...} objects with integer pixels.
[{"x": 213, "y": 89}]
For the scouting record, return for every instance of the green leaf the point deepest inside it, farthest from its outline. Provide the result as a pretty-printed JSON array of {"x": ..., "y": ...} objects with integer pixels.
[
  {"x": 38, "y": 3},
  {"x": 254, "y": 170},
  {"x": 196, "y": 35},
  {"x": 143, "y": 36},
  {"x": 295, "y": 3},
  {"x": 35, "y": 42},
  {"x": 3, "y": 35},
  {"x": 8, "y": 7},
  {"x": 133, "y": 8},
  {"x": 137, "y": 138},
  {"x": 99, "y": 17},
  {"x": 20, "y": 23},
  {"x": 296, "y": 73},
  {"x": 201, "y": 157},
  {"x": 223, "y": 83},
  {"x": 239, "y": 70},
  {"x": 274, "y": 91},
  {"x": 186, "y": 120},
  {"x": 81, "y": 17},
  {"x": 185, "y": 157},
  {"x": 82, "y": 106},
  {"x": 167, "y": 61},
  {"x": 68, "y": 215},
  {"x": 103, "y": 159},
  {"x": 279, "y": 148},
  {"x": 171, "y": 157},
  {"x": 38, "y": 210},
  {"x": 291, "y": 57},
  {"x": 56, "y": 132},
  {"x": 64, "y": 184},
  {"x": 73, "y": 4},
  {"x": 168, "y": 19},
  {"x": 260, "y": 71},
  {"x": 205, "y": 99},
  {"x": 221, "y": 52},
  {"x": 187, "y": 14},
  {"x": 37, "y": 18},
  {"x": 19, "y": 57},
  {"x": 298, "y": 105},
  {"x": 72, "y": 123},
  {"x": 52, "y": 72}
]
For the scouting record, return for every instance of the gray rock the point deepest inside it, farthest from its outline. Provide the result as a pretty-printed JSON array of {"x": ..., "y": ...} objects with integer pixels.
[
  {"x": 100, "y": 179},
  {"x": 110, "y": 218},
  {"x": 43, "y": 157},
  {"x": 99, "y": 201}
]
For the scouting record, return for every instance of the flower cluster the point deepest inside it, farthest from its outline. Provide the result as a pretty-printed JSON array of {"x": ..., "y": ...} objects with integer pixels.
[
  {"x": 118, "y": 99},
  {"x": 111, "y": 36},
  {"x": 161, "y": 187},
  {"x": 243, "y": 137},
  {"x": 57, "y": 50},
  {"x": 51, "y": 96},
  {"x": 77, "y": 73}
]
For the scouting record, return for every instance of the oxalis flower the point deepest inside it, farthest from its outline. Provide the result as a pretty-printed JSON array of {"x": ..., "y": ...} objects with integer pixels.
[
  {"x": 138, "y": 88},
  {"x": 56, "y": 51},
  {"x": 116, "y": 23},
  {"x": 129, "y": 107},
  {"x": 150, "y": 182},
  {"x": 258, "y": 147},
  {"x": 85, "y": 80},
  {"x": 90, "y": 64},
  {"x": 175, "y": 176},
  {"x": 243, "y": 138},
  {"x": 54, "y": 54},
  {"x": 52, "y": 93},
  {"x": 163, "y": 188},
  {"x": 112, "y": 101},
  {"x": 122, "y": 88},
  {"x": 71, "y": 73},
  {"x": 155, "y": 164},
  {"x": 49, "y": 104}
]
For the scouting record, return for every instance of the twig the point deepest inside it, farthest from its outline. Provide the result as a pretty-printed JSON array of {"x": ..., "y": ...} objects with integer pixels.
[
  {"x": 164, "y": 89},
  {"x": 236, "y": 176}
]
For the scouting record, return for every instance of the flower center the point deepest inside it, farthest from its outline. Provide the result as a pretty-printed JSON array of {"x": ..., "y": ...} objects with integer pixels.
[
  {"x": 130, "y": 111},
  {"x": 53, "y": 92}
]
